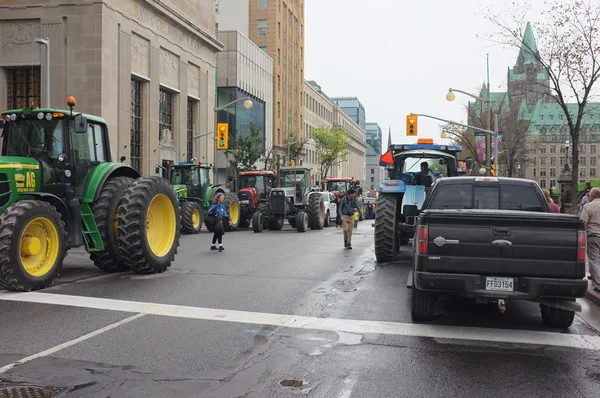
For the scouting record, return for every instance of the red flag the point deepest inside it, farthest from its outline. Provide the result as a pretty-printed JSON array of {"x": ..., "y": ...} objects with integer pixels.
[{"x": 387, "y": 158}]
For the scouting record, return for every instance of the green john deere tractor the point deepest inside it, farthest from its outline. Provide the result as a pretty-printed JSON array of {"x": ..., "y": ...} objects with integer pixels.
[
  {"x": 59, "y": 189},
  {"x": 191, "y": 183}
]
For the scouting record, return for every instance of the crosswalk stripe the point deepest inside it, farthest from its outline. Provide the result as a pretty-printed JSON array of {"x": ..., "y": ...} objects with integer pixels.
[{"x": 307, "y": 322}]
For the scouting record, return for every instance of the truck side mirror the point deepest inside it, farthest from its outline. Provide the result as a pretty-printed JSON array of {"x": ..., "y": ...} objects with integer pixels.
[
  {"x": 410, "y": 210},
  {"x": 156, "y": 170},
  {"x": 80, "y": 124}
]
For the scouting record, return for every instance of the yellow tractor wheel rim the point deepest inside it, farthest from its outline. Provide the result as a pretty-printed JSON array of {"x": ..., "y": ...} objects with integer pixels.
[
  {"x": 39, "y": 247},
  {"x": 195, "y": 218},
  {"x": 234, "y": 212},
  {"x": 161, "y": 225}
]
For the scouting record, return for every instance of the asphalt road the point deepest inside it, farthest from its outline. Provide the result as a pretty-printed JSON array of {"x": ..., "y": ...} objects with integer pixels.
[{"x": 281, "y": 314}]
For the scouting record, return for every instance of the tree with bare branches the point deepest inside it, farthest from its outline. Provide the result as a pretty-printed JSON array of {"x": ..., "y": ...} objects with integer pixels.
[{"x": 569, "y": 53}]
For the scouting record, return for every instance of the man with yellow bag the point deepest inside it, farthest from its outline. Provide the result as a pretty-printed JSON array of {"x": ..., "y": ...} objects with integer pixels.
[{"x": 346, "y": 210}]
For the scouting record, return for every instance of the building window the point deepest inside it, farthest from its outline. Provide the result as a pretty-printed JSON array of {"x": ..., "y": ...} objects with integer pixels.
[
  {"x": 264, "y": 48},
  {"x": 542, "y": 183},
  {"x": 582, "y": 173},
  {"x": 592, "y": 148},
  {"x": 191, "y": 122},
  {"x": 165, "y": 118},
  {"x": 135, "y": 128},
  {"x": 262, "y": 27},
  {"x": 262, "y": 4},
  {"x": 24, "y": 87},
  {"x": 593, "y": 172},
  {"x": 592, "y": 161},
  {"x": 553, "y": 184},
  {"x": 372, "y": 171}
]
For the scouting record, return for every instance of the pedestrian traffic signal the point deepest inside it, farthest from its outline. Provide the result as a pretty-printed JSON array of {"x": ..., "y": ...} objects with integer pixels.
[
  {"x": 222, "y": 136},
  {"x": 411, "y": 125},
  {"x": 493, "y": 171}
]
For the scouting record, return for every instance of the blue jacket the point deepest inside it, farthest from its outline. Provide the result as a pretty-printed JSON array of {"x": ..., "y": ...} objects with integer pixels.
[
  {"x": 348, "y": 206},
  {"x": 218, "y": 210}
]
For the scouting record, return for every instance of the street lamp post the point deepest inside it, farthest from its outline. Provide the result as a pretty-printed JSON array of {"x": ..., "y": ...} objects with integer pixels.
[
  {"x": 46, "y": 42},
  {"x": 451, "y": 96}
]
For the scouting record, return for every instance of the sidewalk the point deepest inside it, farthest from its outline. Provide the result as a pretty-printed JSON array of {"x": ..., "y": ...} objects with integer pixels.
[{"x": 592, "y": 295}]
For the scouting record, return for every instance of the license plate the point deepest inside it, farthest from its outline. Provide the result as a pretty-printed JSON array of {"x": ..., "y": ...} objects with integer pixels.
[
  {"x": 244, "y": 202},
  {"x": 500, "y": 284}
]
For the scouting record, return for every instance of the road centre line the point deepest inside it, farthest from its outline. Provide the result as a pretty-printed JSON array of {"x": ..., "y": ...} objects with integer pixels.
[
  {"x": 69, "y": 343},
  {"x": 306, "y": 322}
]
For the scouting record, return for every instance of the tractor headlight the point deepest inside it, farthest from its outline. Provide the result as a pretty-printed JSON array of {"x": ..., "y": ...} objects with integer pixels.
[
  {"x": 40, "y": 116},
  {"x": 48, "y": 116},
  {"x": 13, "y": 117}
]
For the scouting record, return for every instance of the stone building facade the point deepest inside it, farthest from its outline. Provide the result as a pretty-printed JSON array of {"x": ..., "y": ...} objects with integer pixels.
[{"x": 148, "y": 67}]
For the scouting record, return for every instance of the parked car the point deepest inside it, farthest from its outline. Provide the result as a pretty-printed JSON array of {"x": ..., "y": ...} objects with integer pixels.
[
  {"x": 495, "y": 240},
  {"x": 331, "y": 206}
]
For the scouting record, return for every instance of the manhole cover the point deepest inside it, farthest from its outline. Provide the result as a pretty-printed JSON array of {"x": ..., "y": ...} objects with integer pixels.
[{"x": 29, "y": 391}]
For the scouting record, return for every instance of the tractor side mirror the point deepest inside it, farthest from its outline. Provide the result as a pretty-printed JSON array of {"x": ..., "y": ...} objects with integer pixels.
[
  {"x": 80, "y": 124},
  {"x": 2, "y": 123},
  {"x": 156, "y": 170},
  {"x": 470, "y": 161},
  {"x": 123, "y": 159},
  {"x": 410, "y": 210}
]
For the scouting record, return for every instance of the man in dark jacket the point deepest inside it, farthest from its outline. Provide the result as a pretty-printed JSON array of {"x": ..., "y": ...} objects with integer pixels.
[{"x": 346, "y": 212}]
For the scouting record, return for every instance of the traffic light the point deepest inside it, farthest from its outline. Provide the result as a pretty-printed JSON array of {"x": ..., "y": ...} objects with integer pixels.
[
  {"x": 411, "y": 125},
  {"x": 493, "y": 171},
  {"x": 222, "y": 136}
]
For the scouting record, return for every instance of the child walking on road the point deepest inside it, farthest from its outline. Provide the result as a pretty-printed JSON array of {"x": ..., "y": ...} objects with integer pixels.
[{"x": 218, "y": 211}]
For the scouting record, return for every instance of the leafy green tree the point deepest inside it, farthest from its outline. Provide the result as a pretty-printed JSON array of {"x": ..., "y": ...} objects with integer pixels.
[
  {"x": 296, "y": 148},
  {"x": 332, "y": 147},
  {"x": 245, "y": 150}
]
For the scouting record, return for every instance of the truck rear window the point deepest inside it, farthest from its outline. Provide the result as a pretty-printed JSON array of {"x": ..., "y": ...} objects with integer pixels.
[{"x": 478, "y": 196}]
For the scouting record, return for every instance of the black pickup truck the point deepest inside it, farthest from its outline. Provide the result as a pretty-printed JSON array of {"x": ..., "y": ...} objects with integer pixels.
[{"x": 495, "y": 239}]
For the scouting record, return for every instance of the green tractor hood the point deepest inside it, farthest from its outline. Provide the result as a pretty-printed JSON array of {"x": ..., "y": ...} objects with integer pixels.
[{"x": 181, "y": 191}]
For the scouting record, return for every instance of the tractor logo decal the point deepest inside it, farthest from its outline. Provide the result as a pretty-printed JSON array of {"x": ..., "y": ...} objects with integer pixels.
[{"x": 25, "y": 182}]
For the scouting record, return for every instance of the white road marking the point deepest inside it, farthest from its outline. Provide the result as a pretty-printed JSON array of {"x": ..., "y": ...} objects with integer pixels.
[
  {"x": 314, "y": 323},
  {"x": 70, "y": 343}
]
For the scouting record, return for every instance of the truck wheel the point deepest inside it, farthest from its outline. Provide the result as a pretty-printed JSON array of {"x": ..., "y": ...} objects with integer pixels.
[
  {"x": 192, "y": 217},
  {"x": 33, "y": 244},
  {"x": 422, "y": 306},
  {"x": 327, "y": 222},
  {"x": 557, "y": 317},
  {"x": 257, "y": 222},
  {"x": 232, "y": 205},
  {"x": 316, "y": 211},
  {"x": 386, "y": 242},
  {"x": 105, "y": 211},
  {"x": 149, "y": 225},
  {"x": 302, "y": 221}
]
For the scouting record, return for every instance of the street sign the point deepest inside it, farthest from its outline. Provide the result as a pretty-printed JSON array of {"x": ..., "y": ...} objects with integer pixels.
[{"x": 493, "y": 171}]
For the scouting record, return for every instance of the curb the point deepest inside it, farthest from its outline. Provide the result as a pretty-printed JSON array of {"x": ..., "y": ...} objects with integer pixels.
[{"x": 593, "y": 296}]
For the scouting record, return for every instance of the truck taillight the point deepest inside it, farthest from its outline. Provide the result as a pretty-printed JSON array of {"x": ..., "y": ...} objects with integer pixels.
[
  {"x": 581, "y": 246},
  {"x": 422, "y": 240}
]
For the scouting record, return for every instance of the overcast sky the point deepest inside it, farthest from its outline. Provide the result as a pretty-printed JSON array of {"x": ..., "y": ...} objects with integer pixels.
[{"x": 400, "y": 57}]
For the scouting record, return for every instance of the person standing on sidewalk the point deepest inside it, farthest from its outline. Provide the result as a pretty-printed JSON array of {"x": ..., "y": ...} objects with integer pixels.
[
  {"x": 590, "y": 215},
  {"x": 220, "y": 213},
  {"x": 346, "y": 210}
]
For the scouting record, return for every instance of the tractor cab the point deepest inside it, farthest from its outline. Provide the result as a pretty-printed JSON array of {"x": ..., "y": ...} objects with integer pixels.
[
  {"x": 342, "y": 185},
  {"x": 296, "y": 181},
  {"x": 419, "y": 164},
  {"x": 189, "y": 179},
  {"x": 254, "y": 186},
  {"x": 57, "y": 149}
]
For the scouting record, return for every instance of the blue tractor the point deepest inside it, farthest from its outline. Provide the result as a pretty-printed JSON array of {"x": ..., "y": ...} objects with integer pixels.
[{"x": 412, "y": 170}]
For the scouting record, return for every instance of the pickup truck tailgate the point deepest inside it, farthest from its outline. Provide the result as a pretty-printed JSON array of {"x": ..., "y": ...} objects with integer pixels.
[{"x": 503, "y": 243}]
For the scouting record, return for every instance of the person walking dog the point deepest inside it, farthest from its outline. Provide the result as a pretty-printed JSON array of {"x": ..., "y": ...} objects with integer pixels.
[
  {"x": 346, "y": 211},
  {"x": 220, "y": 213}
]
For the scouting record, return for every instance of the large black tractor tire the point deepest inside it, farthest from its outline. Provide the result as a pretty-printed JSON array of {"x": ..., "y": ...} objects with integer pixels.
[
  {"x": 232, "y": 205},
  {"x": 386, "y": 241},
  {"x": 263, "y": 209},
  {"x": 557, "y": 317},
  {"x": 327, "y": 222},
  {"x": 422, "y": 305},
  {"x": 105, "y": 214},
  {"x": 276, "y": 224},
  {"x": 149, "y": 225},
  {"x": 192, "y": 217},
  {"x": 316, "y": 211},
  {"x": 33, "y": 245},
  {"x": 258, "y": 224},
  {"x": 302, "y": 221}
]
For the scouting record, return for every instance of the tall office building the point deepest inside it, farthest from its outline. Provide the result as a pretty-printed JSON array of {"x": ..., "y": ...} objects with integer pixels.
[
  {"x": 353, "y": 108},
  {"x": 277, "y": 27},
  {"x": 374, "y": 136}
]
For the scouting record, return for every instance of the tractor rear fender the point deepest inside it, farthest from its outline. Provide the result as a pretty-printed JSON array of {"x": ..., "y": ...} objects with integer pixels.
[{"x": 101, "y": 174}]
